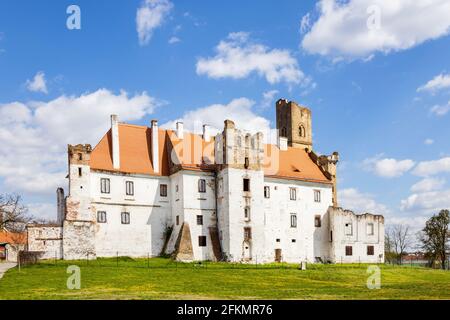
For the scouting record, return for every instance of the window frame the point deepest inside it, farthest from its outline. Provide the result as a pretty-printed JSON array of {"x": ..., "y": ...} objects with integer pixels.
[
  {"x": 163, "y": 190},
  {"x": 247, "y": 233},
  {"x": 202, "y": 185},
  {"x": 348, "y": 251},
  {"x": 372, "y": 229},
  {"x": 202, "y": 241},
  {"x": 267, "y": 194},
  {"x": 370, "y": 250},
  {"x": 246, "y": 183},
  {"x": 293, "y": 220},
  {"x": 317, "y": 196},
  {"x": 125, "y": 217},
  {"x": 105, "y": 185},
  {"x": 102, "y": 213},
  {"x": 317, "y": 218},
  {"x": 351, "y": 229},
  {"x": 199, "y": 220},
  {"x": 292, "y": 193},
  {"x": 127, "y": 189}
]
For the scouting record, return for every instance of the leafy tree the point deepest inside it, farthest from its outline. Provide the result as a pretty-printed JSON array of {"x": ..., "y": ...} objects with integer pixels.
[{"x": 435, "y": 237}]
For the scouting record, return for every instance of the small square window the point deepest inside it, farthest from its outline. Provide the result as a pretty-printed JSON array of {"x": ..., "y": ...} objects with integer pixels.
[
  {"x": 348, "y": 250},
  {"x": 125, "y": 218},
  {"x": 267, "y": 192},
  {"x": 294, "y": 240},
  {"x": 317, "y": 221},
  {"x": 163, "y": 190},
  {"x": 104, "y": 185},
  {"x": 247, "y": 213},
  {"x": 199, "y": 220},
  {"x": 202, "y": 241},
  {"x": 246, "y": 183},
  {"x": 293, "y": 193},
  {"x": 129, "y": 186},
  {"x": 370, "y": 250},
  {"x": 277, "y": 240},
  {"x": 101, "y": 216},
  {"x": 202, "y": 185}
]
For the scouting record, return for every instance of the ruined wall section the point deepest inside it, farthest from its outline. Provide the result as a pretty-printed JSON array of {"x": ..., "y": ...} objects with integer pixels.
[
  {"x": 46, "y": 239},
  {"x": 79, "y": 231}
]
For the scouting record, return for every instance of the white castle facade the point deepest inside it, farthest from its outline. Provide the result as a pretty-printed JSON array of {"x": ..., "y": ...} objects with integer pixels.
[{"x": 144, "y": 191}]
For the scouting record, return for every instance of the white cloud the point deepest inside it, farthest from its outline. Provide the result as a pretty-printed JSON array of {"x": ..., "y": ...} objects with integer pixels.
[
  {"x": 433, "y": 167},
  {"x": 151, "y": 15},
  {"x": 428, "y": 184},
  {"x": 305, "y": 23},
  {"x": 359, "y": 202},
  {"x": 388, "y": 168},
  {"x": 268, "y": 98},
  {"x": 430, "y": 202},
  {"x": 174, "y": 40},
  {"x": 353, "y": 29},
  {"x": 237, "y": 57},
  {"x": 34, "y": 136},
  {"x": 428, "y": 141},
  {"x": 38, "y": 84},
  {"x": 441, "y": 81},
  {"x": 440, "y": 110},
  {"x": 239, "y": 110}
]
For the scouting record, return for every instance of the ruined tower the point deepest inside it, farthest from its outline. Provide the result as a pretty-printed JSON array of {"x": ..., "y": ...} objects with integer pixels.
[{"x": 294, "y": 123}]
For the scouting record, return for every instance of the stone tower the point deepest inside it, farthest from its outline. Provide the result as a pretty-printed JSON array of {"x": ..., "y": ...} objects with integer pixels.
[{"x": 294, "y": 123}]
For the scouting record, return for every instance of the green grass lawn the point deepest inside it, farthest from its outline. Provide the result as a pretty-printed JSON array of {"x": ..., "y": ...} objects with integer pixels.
[{"x": 160, "y": 278}]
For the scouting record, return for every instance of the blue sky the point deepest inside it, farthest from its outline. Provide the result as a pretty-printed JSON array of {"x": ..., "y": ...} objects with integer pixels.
[{"x": 376, "y": 78}]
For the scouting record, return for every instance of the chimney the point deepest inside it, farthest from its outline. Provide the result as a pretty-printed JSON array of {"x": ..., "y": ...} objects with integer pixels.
[
  {"x": 282, "y": 143},
  {"x": 155, "y": 146},
  {"x": 180, "y": 130},
  {"x": 206, "y": 133},
  {"x": 115, "y": 141}
]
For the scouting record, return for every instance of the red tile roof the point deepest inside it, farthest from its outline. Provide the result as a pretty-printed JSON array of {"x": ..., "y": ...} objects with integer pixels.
[{"x": 135, "y": 155}]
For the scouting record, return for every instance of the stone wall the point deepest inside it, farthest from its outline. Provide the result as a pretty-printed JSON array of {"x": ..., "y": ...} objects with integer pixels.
[{"x": 46, "y": 239}]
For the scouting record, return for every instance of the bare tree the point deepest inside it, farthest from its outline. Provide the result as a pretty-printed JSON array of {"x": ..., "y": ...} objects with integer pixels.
[
  {"x": 400, "y": 240},
  {"x": 13, "y": 213}
]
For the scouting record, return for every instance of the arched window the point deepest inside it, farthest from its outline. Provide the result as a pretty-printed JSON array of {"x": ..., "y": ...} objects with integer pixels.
[{"x": 301, "y": 131}]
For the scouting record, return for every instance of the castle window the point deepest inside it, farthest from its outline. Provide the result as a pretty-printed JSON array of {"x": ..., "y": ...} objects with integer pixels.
[
  {"x": 277, "y": 240},
  {"x": 247, "y": 213},
  {"x": 317, "y": 222},
  {"x": 177, "y": 220},
  {"x": 294, "y": 240},
  {"x": 301, "y": 131},
  {"x": 202, "y": 185},
  {"x": 176, "y": 188},
  {"x": 101, "y": 216},
  {"x": 246, "y": 184},
  {"x": 266, "y": 192},
  {"x": 80, "y": 156},
  {"x": 247, "y": 163},
  {"x": 199, "y": 220},
  {"x": 163, "y": 190},
  {"x": 247, "y": 233},
  {"x": 293, "y": 220},
  {"x": 129, "y": 188},
  {"x": 202, "y": 241},
  {"x": 293, "y": 193},
  {"x": 283, "y": 132},
  {"x": 80, "y": 172},
  {"x": 348, "y": 229},
  {"x": 370, "y": 229},
  {"x": 104, "y": 185},
  {"x": 125, "y": 218},
  {"x": 317, "y": 197},
  {"x": 370, "y": 250},
  {"x": 348, "y": 250}
]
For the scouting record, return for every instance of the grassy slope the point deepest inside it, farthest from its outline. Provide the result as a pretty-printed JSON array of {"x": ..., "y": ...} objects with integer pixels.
[{"x": 102, "y": 279}]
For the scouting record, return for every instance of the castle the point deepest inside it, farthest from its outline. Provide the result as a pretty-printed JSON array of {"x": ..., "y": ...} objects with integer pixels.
[{"x": 145, "y": 191}]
